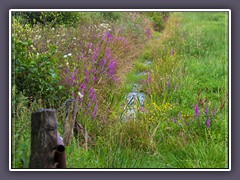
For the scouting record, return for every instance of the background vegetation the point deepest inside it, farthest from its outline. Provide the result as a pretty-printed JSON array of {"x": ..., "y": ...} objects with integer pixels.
[{"x": 95, "y": 57}]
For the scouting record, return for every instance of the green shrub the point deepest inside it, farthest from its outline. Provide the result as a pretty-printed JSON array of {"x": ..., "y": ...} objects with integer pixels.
[
  {"x": 157, "y": 19},
  {"x": 111, "y": 15},
  {"x": 34, "y": 73},
  {"x": 53, "y": 18}
]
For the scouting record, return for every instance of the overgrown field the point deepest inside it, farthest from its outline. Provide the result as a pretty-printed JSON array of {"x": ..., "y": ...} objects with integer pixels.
[{"x": 178, "y": 60}]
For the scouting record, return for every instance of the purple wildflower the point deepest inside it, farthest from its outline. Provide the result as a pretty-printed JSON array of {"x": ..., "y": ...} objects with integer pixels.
[
  {"x": 92, "y": 94},
  {"x": 103, "y": 120},
  {"x": 73, "y": 78},
  {"x": 94, "y": 114},
  {"x": 95, "y": 53},
  {"x": 108, "y": 53},
  {"x": 175, "y": 119},
  {"x": 197, "y": 111},
  {"x": 172, "y": 53},
  {"x": 112, "y": 68},
  {"x": 149, "y": 33},
  {"x": 208, "y": 122},
  {"x": 66, "y": 71},
  {"x": 109, "y": 35},
  {"x": 148, "y": 91},
  {"x": 72, "y": 95},
  {"x": 125, "y": 41},
  {"x": 169, "y": 84},
  {"x": 102, "y": 63},
  {"x": 83, "y": 86},
  {"x": 90, "y": 46},
  {"x": 141, "y": 108}
]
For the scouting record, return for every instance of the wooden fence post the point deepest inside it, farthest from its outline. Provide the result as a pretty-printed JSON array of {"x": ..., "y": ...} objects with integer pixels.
[
  {"x": 70, "y": 121},
  {"x": 45, "y": 147}
]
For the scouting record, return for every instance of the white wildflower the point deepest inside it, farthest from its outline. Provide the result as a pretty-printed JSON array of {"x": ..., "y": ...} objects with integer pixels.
[
  {"x": 48, "y": 41},
  {"x": 74, "y": 38},
  {"x": 65, "y": 56},
  {"x": 67, "y": 64},
  {"x": 104, "y": 25},
  {"x": 80, "y": 95},
  {"x": 69, "y": 54},
  {"x": 58, "y": 35},
  {"x": 53, "y": 28},
  {"x": 90, "y": 50}
]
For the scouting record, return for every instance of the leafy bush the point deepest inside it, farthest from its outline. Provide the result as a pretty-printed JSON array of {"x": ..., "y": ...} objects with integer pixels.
[
  {"x": 158, "y": 19},
  {"x": 53, "y": 18},
  {"x": 34, "y": 73}
]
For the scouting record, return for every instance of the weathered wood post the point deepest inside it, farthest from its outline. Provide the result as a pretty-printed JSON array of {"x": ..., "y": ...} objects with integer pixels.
[
  {"x": 70, "y": 121},
  {"x": 46, "y": 145}
]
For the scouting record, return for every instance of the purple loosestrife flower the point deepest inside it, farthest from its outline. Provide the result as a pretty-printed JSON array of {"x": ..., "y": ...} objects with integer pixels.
[
  {"x": 197, "y": 111},
  {"x": 92, "y": 97},
  {"x": 66, "y": 70},
  {"x": 96, "y": 53},
  {"x": 149, "y": 33},
  {"x": 108, "y": 53},
  {"x": 104, "y": 36},
  {"x": 103, "y": 120},
  {"x": 83, "y": 86},
  {"x": 90, "y": 46},
  {"x": 102, "y": 63},
  {"x": 141, "y": 109},
  {"x": 73, "y": 78},
  {"x": 92, "y": 94},
  {"x": 109, "y": 35},
  {"x": 94, "y": 114},
  {"x": 208, "y": 122},
  {"x": 72, "y": 95},
  {"x": 112, "y": 68}
]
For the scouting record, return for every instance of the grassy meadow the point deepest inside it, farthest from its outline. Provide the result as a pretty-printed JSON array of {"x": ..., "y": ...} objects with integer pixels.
[{"x": 179, "y": 59}]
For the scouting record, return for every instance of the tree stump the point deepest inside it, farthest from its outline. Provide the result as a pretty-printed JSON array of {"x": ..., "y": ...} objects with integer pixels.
[{"x": 43, "y": 139}]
